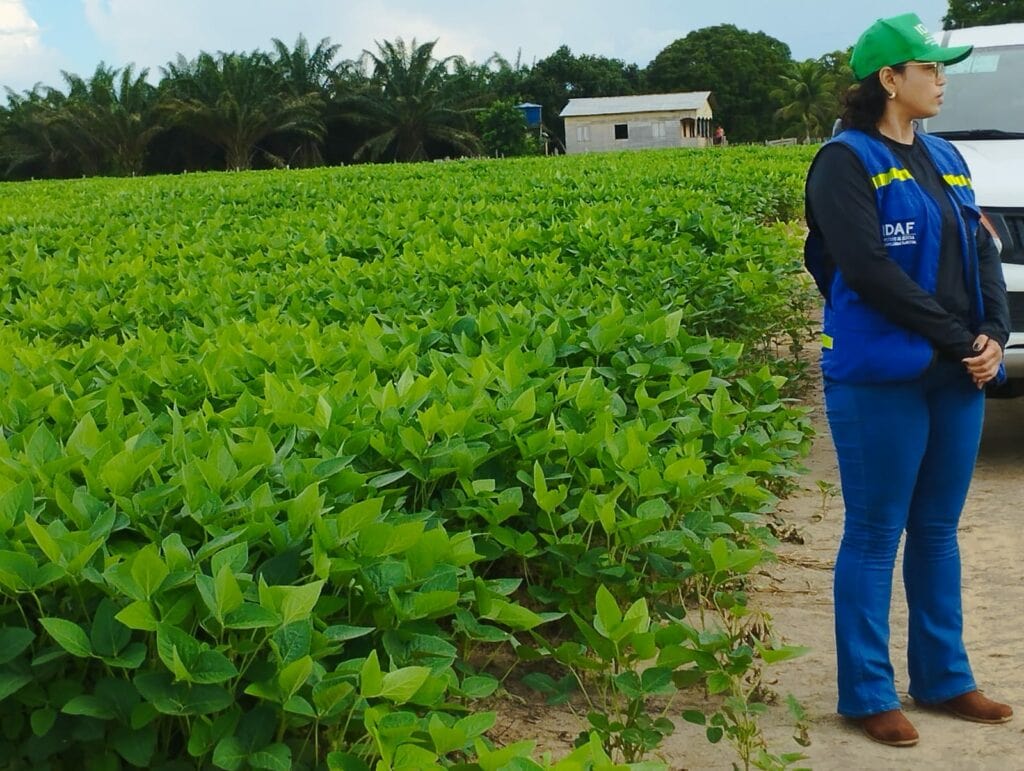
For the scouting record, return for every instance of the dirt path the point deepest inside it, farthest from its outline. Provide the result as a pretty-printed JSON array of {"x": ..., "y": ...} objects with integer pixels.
[{"x": 798, "y": 595}]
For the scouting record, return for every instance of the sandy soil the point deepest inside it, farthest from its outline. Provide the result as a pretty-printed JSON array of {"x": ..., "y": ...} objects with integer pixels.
[{"x": 797, "y": 593}]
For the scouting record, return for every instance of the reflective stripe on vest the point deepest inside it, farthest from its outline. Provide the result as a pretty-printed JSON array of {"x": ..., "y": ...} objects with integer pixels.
[{"x": 890, "y": 176}]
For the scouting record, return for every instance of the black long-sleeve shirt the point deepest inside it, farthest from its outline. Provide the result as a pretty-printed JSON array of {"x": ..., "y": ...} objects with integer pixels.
[{"x": 842, "y": 209}]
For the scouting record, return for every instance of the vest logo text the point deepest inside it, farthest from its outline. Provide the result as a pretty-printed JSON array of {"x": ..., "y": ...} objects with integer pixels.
[{"x": 899, "y": 233}]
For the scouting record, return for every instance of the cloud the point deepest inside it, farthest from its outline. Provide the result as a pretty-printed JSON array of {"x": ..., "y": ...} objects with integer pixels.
[
  {"x": 24, "y": 60},
  {"x": 377, "y": 21},
  {"x": 151, "y": 33}
]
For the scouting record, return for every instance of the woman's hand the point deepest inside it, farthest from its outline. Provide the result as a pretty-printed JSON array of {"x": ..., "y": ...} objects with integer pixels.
[{"x": 985, "y": 365}]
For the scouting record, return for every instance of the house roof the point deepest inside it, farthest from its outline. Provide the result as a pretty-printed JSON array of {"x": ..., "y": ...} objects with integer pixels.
[{"x": 614, "y": 105}]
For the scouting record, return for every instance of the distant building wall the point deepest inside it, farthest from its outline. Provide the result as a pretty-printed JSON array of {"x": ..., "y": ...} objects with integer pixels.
[{"x": 642, "y": 131}]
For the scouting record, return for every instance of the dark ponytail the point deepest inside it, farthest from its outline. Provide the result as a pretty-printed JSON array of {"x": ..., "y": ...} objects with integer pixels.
[{"x": 864, "y": 102}]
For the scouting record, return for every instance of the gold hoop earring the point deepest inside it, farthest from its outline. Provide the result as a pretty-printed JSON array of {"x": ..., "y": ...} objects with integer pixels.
[{"x": 892, "y": 94}]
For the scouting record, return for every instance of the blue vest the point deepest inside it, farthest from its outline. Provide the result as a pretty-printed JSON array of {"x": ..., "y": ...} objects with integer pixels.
[{"x": 859, "y": 344}]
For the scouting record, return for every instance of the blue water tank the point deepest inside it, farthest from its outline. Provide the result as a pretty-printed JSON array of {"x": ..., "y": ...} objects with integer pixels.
[{"x": 531, "y": 112}]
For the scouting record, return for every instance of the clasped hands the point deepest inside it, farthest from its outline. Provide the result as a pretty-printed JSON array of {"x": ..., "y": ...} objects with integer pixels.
[{"x": 984, "y": 365}]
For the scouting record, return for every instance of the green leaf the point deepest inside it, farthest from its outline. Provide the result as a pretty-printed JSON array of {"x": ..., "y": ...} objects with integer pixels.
[
  {"x": 251, "y": 616},
  {"x": 108, "y": 635},
  {"x": 299, "y": 706},
  {"x": 719, "y": 552},
  {"x": 138, "y": 615},
  {"x": 293, "y": 641},
  {"x": 42, "y": 721},
  {"x": 148, "y": 570},
  {"x": 211, "y": 667},
  {"x": 135, "y": 746},
  {"x": 657, "y": 681},
  {"x": 409, "y": 757},
  {"x": 292, "y": 602},
  {"x": 357, "y": 516},
  {"x": 200, "y": 738},
  {"x": 304, "y": 509},
  {"x": 695, "y": 716},
  {"x": 121, "y": 472},
  {"x": 205, "y": 699},
  {"x": 129, "y": 658},
  {"x": 782, "y": 653},
  {"x": 343, "y": 761},
  {"x": 718, "y": 682},
  {"x": 143, "y": 714},
  {"x": 88, "y": 706},
  {"x": 276, "y": 757},
  {"x": 85, "y": 440},
  {"x": 525, "y": 407},
  {"x": 229, "y": 594},
  {"x": 15, "y": 504},
  {"x": 342, "y": 632},
  {"x": 235, "y": 557},
  {"x": 513, "y": 615},
  {"x": 608, "y": 613},
  {"x": 68, "y": 635},
  {"x": 45, "y": 541},
  {"x": 371, "y": 679},
  {"x": 446, "y": 739},
  {"x": 11, "y": 683},
  {"x": 42, "y": 447},
  {"x": 17, "y": 571},
  {"x": 330, "y": 693},
  {"x": 401, "y": 685},
  {"x": 478, "y": 723},
  {"x": 14, "y": 640},
  {"x": 177, "y": 649},
  {"x": 293, "y": 676},
  {"x": 230, "y": 753},
  {"x": 479, "y": 686}
]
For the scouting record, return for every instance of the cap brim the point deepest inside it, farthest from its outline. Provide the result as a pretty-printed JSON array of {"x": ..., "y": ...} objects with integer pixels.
[{"x": 947, "y": 55}]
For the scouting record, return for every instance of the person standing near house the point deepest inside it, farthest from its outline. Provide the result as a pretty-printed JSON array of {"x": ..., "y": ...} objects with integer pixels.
[{"x": 915, "y": 321}]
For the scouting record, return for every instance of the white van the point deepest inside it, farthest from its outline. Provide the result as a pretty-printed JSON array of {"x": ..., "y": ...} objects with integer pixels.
[{"x": 983, "y": 115}]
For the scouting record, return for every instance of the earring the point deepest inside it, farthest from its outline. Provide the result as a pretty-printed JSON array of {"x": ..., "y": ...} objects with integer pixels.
[{"x": 892, "y": 94}]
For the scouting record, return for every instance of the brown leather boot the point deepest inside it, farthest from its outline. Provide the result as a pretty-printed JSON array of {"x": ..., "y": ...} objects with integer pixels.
[
  {"x": 978, "y": 708},
  {"x": 890, "y": 727}
]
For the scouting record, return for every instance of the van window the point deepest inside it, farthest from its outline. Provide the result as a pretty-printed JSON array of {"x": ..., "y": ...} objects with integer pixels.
[{"x": 984, "y": 92}]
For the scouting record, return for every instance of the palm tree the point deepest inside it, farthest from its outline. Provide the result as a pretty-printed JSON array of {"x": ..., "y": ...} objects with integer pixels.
[
  {"x": 406, "y": 106},
  {"x": 236, "y": 101},
  {"x": 305, "y": 72},
  {"x": 807, "y": 98},
  {"x": 507, "y": 79},
  {"x": 35, "y": 139},
  {"x": 114, "y": 113}
]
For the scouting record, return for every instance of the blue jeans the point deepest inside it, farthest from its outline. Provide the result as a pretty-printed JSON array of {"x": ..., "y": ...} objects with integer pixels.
[{"x": 906, "y": 454}]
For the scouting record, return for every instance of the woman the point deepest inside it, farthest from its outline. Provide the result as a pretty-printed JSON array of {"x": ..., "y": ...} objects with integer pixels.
[{"x": 915, "y": 322}]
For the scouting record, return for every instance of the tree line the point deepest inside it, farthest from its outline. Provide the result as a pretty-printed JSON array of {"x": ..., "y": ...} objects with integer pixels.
[{"x": 303, "y": 106}]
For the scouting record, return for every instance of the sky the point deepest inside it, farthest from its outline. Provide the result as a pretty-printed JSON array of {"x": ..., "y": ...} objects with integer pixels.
[{"x": 39, "y": 38}]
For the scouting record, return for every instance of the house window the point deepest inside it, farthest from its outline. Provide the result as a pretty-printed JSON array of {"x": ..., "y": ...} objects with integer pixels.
[
  {"x": 659, "y": 130},
  {"x": 621, "y": 131},
  {"x": 583, "y": 133}
]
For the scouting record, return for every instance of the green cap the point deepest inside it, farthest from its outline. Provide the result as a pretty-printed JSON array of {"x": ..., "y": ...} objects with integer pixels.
[{"x": 897, "y": 40}]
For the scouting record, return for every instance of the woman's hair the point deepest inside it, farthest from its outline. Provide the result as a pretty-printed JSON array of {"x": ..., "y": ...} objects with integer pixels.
[{"x": 864, "y": 102}]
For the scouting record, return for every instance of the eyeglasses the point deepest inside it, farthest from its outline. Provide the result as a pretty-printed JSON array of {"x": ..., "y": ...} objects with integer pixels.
[{"x": 937, "y": 68}]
